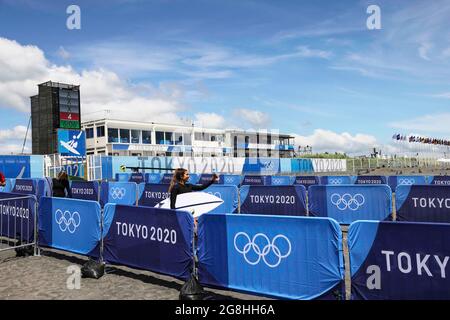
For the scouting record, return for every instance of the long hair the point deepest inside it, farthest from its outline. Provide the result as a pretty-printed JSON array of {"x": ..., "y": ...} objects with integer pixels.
[
  {"x": 62, "y": 175},
  {"x": 177, "y": 175}
]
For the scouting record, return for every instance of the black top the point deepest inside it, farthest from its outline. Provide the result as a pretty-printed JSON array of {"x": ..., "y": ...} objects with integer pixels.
[
  {"x": 59, "y": 186},
  {"x": 185, "y": 188}
]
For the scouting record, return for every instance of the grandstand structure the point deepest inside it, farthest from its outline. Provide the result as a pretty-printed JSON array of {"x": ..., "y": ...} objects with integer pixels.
[{"x": 136, "y": 138}]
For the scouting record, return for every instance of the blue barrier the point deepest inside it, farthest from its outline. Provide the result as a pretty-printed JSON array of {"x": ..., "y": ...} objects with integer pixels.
[
  {"x": 69, "y": 224},
  {"x": 307, "y": 181},
  {"x": 281, "y": 181},
  {"x": 25, "y": 186},
  {"x": 234, "y": 179},
  {"x": 253, "y": 180},
  {"x": 423, "y": 203},
  {"x": 17, "y": 214},
  {"x": 273, "y": 200},
  {"x": 288, "y": 257},
  {"x": 153, "y": 239},
  {"x": 394, "y": 181},
  {"x": 229, "y": 195},
  {"x": 348, "y": 203},
  {"x": 118, "y": 192},
  {"x": 153, "y": 178},
  {"x": 149, "y": 194},
  {"x": 205, "y": 178},
  {"x": 399, "y": 260},
  {"x": 335, "y": 180},
  {"x": 123, "y": 177},
  {"x": 439, "y": 180},
  {"x": 85, "y": 190},
  {"x": 370, "y": 180},
  {"x": 167, "y": 178},
  {"x": 9, "y": 185},
  {"x": 137, "y": 177}
]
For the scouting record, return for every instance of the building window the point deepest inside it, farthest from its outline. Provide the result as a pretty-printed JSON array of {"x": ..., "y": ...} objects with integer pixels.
[
  {"x": 198, "y": 136},
  {"x": 159, "y": 137},
  {"x": 169, "y": 138},
  {"x": 135, "y": 136},
  {"x": 124, "y": 135},
  {"x": 178, "y": 138},
  {"x": 187, "y": 139},
  {"x": 89, "y": 133},
  {"x": 113, "y": 135},
  {"x": 100, "y": 131},
  {"x": 146, "y": 137}
]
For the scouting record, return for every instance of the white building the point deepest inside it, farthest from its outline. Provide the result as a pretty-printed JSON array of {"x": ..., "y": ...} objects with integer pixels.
[{"x": 131, "y": 138}]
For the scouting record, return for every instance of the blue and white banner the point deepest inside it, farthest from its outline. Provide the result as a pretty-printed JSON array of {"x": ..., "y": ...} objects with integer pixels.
[
  {"x": 399, "y": 260},
  {"x": 263, "y": 166},
  {"x": 282, "y": 180},
  {"x": 36, "y": 187},
  {"x": 394, "y": 181},
  {"x": 85, "y": 190},
  {"x": 335, "y": 180},
  {"x": 167, "y": 178},
  {"x": 234, "y": 179},
  {"x": 229, "y": 195},
  {"x": 252, "y": 180},
  {"x": 206, "y": 178},
  {"x": 118, "y": 192},
  {"x": 149, "y": 194},
  {"x": 123, "y": 177},
  {"x": 423, "y": 203},
  {"x": 9, "y": 185},
  {"x": 287, "y": 257},
  {"x": 273, "y": 200},
  {"x": 71, "y": 143},
  {"x": 349, "y": 203},
  {"x": 137, "y": 177},
  {"x": 17, "y": 212},
  {"x": 153, "y": 178},
  {"x": 307, "y": 181},
  {"x": 370, "y": 180},
  {"x": 439, "y": 180},
  {"x": 69, "y": 224},
  {"x": 153, "y": 239},
  {"x": 22, "y": 166}
]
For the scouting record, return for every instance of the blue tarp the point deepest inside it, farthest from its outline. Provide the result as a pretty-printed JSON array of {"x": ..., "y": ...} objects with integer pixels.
[{"x": 287, "y": 257}]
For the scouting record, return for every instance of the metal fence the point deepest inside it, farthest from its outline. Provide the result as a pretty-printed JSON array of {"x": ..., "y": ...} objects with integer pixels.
[{"x": 18, "y": 222}]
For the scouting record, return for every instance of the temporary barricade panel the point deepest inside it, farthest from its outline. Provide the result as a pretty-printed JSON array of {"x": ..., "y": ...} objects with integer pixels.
[
  {"x": 288, "y": 257},
  {"x": 399, "y": 260}
]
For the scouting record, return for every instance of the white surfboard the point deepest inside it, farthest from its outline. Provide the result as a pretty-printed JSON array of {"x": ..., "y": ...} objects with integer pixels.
[{"x": 196, "y": 202}]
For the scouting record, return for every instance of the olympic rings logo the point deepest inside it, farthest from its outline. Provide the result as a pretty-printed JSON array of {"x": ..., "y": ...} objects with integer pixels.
[
  {"x": 347, "y": 201},
  {"x": 406, "y": 181},
  {"x": 229, "y": 180},
  {"x": 216, "y": 194},
  {"x": 118, "y": 193},
  {"x": 67, "y": 220},
  {"x": 277, "y": 181},
  {"x": 262, "y": 253},
  {"x": 335, "y": 181}
]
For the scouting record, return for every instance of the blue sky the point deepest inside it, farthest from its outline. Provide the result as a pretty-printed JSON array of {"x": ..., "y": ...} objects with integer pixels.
[{"x": 310, "y": 68}]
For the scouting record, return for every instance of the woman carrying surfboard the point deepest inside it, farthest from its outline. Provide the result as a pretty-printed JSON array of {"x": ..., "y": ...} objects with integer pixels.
[{"x": 179, "y": 185}]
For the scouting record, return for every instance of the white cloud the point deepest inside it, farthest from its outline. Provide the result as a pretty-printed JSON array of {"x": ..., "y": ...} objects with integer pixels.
[
  {"x": 427, "y": 123},
  {"x": 445, "y": 95},
  {"x": 209, "y": 120},
  {"x": 11, "y": 140},
  {"x": 423, "y": 51},
  {"x": 23, "y": 67},
  {"x": 256, "y": 119},
  {"x": 328, "y": 141},
  {"x": 63, "y": 53}
]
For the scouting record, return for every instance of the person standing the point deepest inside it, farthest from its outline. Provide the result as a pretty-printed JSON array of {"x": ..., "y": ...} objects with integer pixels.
[
  {"x": 179, "y": 185},
  {"x": 61, "y": 186}
]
